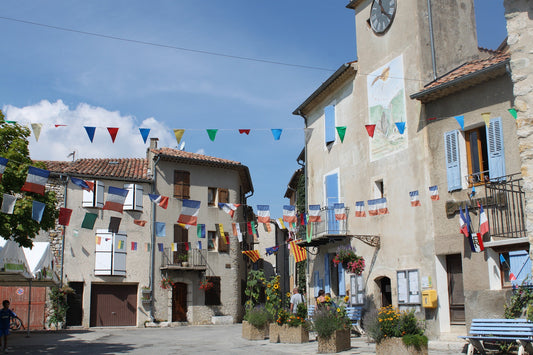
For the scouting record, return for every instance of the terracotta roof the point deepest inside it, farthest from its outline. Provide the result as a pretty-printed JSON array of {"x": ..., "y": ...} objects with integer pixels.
[
  {"x": 125, "y": 168},
  {"x": 169, "y": 152},
  {"x": 469, "y": 74}
]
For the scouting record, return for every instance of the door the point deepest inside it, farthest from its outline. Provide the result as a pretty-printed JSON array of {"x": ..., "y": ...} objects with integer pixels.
[
  {"x": 385, "y": 291},
  {"x": 179, "y": 302},
  {"x": 455, "y": 288},
  {"x": 113, "y": 305},
  {"x": 181, "y": 238},
  {"x": 75, "y": 304}
]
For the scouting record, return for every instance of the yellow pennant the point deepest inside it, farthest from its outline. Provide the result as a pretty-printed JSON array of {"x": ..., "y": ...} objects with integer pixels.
[
  {"x": 179, "y": 134},
  {"x": 486, "y": 118}
]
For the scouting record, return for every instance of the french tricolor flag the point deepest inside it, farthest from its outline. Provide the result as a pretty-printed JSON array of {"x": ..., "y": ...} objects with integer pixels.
[
  {"x": 415, "y": 200},
  {"x": 434, "y": 192},
  {"x": 360, "y": 209},
  {"x": 483, "y": 221},
  {"x": 377, "y": 206},
  {"x": 289, "y": 214},
  {"x": 340, "y": 211},
  {"x": 36, "y": 180},
  {"x": 314, "y": 213},
  {"x": 3, "y": 164},
  {"x": 189, "y": 212},
  {"x": 229, "y": 208},
  {"x": 115, "y": 199},
  {"x": 263, "y": 213},
  {"x": 162, "y": 201}
]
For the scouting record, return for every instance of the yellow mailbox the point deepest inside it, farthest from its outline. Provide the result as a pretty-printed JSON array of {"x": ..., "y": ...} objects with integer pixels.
[{"x": 429, "y": 298}]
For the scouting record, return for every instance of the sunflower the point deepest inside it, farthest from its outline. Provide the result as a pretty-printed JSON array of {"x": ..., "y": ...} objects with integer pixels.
[{"x": 276, "y": 286}]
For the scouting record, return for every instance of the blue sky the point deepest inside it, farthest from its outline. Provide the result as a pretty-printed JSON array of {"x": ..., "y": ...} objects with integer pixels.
[{"x": 51, "y": 76}]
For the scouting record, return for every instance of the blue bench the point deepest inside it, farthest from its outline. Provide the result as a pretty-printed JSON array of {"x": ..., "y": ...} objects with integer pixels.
[
  {"x": 493, "y": 330},
  {"x": 355, "y": 314}
]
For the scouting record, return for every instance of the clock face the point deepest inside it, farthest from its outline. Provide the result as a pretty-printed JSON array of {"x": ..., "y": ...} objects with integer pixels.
[{"x": 382, "y": 14}]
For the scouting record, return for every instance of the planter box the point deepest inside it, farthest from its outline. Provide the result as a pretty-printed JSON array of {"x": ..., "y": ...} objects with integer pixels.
[
  {"x": 339, "y": 341},
  {"x": 289, "y": 335},
  {"x": 252, "y": 333},
  {"x": 397, "y": 347}
]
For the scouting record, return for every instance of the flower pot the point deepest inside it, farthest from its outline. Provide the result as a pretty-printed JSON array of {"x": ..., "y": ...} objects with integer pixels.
[
  {"x": 289, "y": 335},
  {"x": 253, "y": 333},
  {"x": 396, "y": 346},
  {"x": 185, "y": 263},
  {"x": 337, "y": 342}
]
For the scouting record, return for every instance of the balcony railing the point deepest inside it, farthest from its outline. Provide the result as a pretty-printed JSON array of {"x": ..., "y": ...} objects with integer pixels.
[
  {"x": 329, "y": 225},
  {"x": 196, "y": 259}
]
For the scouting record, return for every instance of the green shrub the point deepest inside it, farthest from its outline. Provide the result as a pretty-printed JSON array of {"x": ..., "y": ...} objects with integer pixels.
[
  {"x": 416, "y": 340},
  {"x": 301, "y": 310},
  {"x": 390, "y": 322},
  {"x": 258, "y": 317},
  {"x": 328, "y": 320}
]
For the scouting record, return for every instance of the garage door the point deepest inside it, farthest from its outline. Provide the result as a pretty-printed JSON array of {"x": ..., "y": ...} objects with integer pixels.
[{"x": 113, "y": 305}]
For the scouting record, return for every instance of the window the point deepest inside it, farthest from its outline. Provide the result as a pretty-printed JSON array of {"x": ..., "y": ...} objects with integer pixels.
[
  {"x": 514, "y": 267},
  {"x": 181, "y": 238},
  {"x": 94, "y": 198},
  {"x": 329, "y": 125},
  {"x": 379, "y": 189},
  {"x": 212, "y": 296},
  {"x": 223, "y": 195},
  {"x": 182, "y": 184},
  {"x": 211, "y": 196},
  {"x": 110, "y": 253},
  {"x": 476, "y": 154},
  {"x": 134, "y": 199},
  {"x": 212, "y": 242}
]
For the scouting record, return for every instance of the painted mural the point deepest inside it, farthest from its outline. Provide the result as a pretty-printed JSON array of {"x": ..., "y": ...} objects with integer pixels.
[{"x": 386, "y": 106}]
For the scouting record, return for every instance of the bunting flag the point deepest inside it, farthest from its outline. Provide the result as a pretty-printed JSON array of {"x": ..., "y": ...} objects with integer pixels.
[
  {"x": 252, "y": 254},
  {"x": 84, "y": 184},
  {"x": 160, "y": 247},
  {"x": 483, "y": 220},
  {"x": 370, "y": 128},
  {"x": 189, "y": 212},
  {"x": 212, "y": 133},
  {"x": 229, "y": 208},
  {"x": 113, "y": 133},
  {"x": 360, "y": 209},
  {"x": 245, "y": 131},
  {"x": 272, "y": 250},
  {"x": 3, "y": 165},
  {"x": 309, "y": 232},
  {"x": 200, "y": 230},
  {"x": 37, "y": 211},
  {"x": 140, "y": 222},
  {"x": 434, "y": 192},
  {"x": 115, "y": 199},
  {"x": 461, "y": 121},
  {"x": 299, "y": 253},
  {"x": 249, "y": 225},
  {"x": 89, "y": 220},
  {"x": 36, "y": 127},
  {"x": 341, "y": 131},
  {"x": 120, "y": 244},
  {"x": 114, "y": 224},
  {"x": 220, "y": 229},
  {"x": 144, "y": 133},
  {"x": 90, "y": 132},
  {"x": 147, "y": 247},
  {"x": 377, "y": 206},
  {"x": 160, "y": 230},
  {"x": 276, "y": 132},
  {"x": 98, "y": 240},
  {"x": 162, "y": 201},
  {"x": 179, "y": 134},
  {"x": 308, "y": 132},
  {"x": 513, "y": 113},
  {"x": 280, "y": 223},
  {"x": 314, "y": 213},
  {"x": 186, "y": 226},
  {"x": 462, "y": 223},
  {"x": 174, "y": 246},
  {"x": 199, "y": 245},
  {"x": 486, "y": 118},
  {"x": 36, "y": 180},
  {"x": 263, "y": 213},
  {"x": 75, "y": 232},
  {"x": 238, "y": 230},
  {"x": 289, "y": 214},
  {"x": 133, "y": 246},
  {"x": 303, "y": 219},
  {"x": 477, "y": 239},
  {"x": 400, "y": 126},
  {"x": 340, "y": 211},
  {"x": 254, "y": 231},
  {"x": 60, "y": 125},
  {"x": 471, "y": 236},
  {"x": 64, "y": 216},
  {"x": 415, "y": 200}
]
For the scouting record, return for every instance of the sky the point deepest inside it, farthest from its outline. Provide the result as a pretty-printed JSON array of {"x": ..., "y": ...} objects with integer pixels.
[{"x": 180, "y": 65}]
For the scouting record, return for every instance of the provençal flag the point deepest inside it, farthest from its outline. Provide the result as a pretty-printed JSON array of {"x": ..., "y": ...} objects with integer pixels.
[{"x": 299, "y": 253}]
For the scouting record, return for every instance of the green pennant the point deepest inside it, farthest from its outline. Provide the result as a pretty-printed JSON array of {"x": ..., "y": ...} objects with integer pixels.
[
  {"x": 309, "y": 232},
  {"x": 212, "y": 134},
  {"x": 254, "y": 231},
  {"x": 341, "y": 130},
  {"x": 512, "y": 111},
  {"x": 88, "y": 220}
]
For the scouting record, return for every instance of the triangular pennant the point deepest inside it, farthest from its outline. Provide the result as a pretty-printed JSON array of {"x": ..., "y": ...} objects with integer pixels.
[
  {"x": 89, "y": 220},
  {"x": 486, "y": 118},
  {"x": 113, "y": 132},
  {"x": 90, "y": 132},
  {"x": 461, "y": 121},
  {"x": 36, "y": 127},
  {"x": 276, "y": 132},
  {"x": 179, "y": 134},
  {"x": 512, "y": 111},
  {"x": 37, "y": 211},
  {"x": 400, "y": 126},
  {"x": 212, "y": 133},
  {"x": 64, "y": 216},
  {"x": 245, "y": 131},
  {"x": 370, "y": 128},
  {"x": 308, "y": 132},
  {"x": 60, "y": 125},
  {"x": 341, "y": 130},
  {"x": 144, "y": 133}
]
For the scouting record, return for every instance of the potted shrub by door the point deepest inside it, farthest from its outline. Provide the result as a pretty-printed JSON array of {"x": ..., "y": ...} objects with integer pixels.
[
  {"x": 290, "y": 328},
  {"x": 255, "y": 324},
  {"x": 333, "y": 329}
]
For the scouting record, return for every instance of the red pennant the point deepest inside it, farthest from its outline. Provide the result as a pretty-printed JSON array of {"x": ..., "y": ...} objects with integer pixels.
[
  {"x": 250, "y": 231},
  {"x": 64, "y": 216},
  {"x": 113, "y": 133},
  {"x": 370, "y": 129},
  {"x": 187, "y": 246},
  {"x": 246, "y": 131},
  {"x": 60, "y": 125},
  {"x": 139, "y": 222}
]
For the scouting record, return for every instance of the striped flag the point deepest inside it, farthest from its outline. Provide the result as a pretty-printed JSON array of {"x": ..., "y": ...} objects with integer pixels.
[
  {"x": 298, "y": 252},
  {"x": 272, "y": 250},
  {"x": 84, "y": 184},
  {"x": 36, "y": 180},
  {"x": 280, "y": 223},
  {"x": 377, "y": 206},
  {"x": 263, "y": 213},
  {"x": 220, "y": 228},
  {"x": 174, "y": 246},
  {"x": 289, "y": 214},
  {"x": 360, "y": 209},
  {"x": 415, "y": 200},
  {"x": 189, "y": 212},
  {"x": 434, "y": 192},
  {"x": 139, "y": 222},
  {"x": 314, "y": 213},
  {"x": 229, "y": 208},
  {"x": 115, "y": 199},
  {"x": 252, "y": 254},
  {"x": 133, "y": 245},
  {"x": 120, "y": 245},
  {"x": 162, "y": 201},
  {"x": 200, "y": 230},
  {"x": 340, "y": 211},
  {"x": 483, "y": 221},
  {"x": 303, "y": 219},
  {"x": 237, "y": 231},
  {"x": 3, "y": 164}
]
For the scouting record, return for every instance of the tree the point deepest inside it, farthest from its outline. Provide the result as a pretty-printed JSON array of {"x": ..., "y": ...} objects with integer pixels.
[{"x": 20, "y": 226}]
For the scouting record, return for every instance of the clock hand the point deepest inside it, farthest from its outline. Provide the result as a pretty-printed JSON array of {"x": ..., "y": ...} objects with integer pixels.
[{"x": 383, "y": 10}]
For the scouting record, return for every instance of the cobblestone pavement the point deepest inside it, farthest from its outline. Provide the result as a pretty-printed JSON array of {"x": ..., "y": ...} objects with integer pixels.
[{"x": 222, "y": 339}]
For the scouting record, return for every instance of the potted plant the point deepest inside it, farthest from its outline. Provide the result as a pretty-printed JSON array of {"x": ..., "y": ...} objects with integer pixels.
[
  {"x": 183, "y": 259},
  {"x": 166, "y": 283},
  {"x": 206, "y": 285},
  {"x": 350, "y": 261},
  {"x": 255, "y": 324},
  {"x": 397, "y": 332},
  {"x": 333, "y": 329},
  {"x": 290, "y": 328}
]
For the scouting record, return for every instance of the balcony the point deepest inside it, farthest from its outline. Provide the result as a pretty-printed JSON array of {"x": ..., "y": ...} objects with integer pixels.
[
  {"x": 328, "y": 230},
  {"x": 196, "y": 260}
]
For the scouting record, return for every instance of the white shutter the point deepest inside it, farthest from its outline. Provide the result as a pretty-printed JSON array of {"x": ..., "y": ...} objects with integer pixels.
[
  {"x": 130, "y": 197},
  {"x": 103, "y": 252},
  {"x": 88, "y": 198},
  {"x": 119, "y": 254}
]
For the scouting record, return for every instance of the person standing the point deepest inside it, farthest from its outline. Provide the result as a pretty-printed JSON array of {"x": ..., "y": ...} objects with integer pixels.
[
  {"x": 296, "y": 299},
  {"x": 5, "y": 320}
]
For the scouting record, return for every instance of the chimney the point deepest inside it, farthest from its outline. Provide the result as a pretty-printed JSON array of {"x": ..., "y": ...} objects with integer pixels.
[{"x": 153, "y": 143}]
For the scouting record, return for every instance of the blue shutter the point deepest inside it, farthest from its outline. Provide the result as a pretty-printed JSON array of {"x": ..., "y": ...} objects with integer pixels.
[
  {"x": 495, "y": 149},
  {"x": 342, "y": 282},
  {"x": 326, "y": 273},
  {"x": 453, "y": 166},
  {"x": 520, "y": 265},
  {"x": 317, "y": 283},
  {"x": 329, "y": 124}
]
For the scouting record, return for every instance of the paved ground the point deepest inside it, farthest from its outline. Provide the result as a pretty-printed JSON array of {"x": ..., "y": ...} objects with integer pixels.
[{"x": 222, "y": 339}]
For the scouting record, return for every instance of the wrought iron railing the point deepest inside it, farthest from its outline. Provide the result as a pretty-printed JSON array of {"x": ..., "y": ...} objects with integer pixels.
[
  {"x": 195, "y": 257},
  {"x": 329, "y": 225}
]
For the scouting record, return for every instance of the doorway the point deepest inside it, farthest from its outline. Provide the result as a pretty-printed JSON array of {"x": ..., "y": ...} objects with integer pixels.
[
  {"x": 179, "y": 302},
  {"x": 384, "y": 285},
  {"x": 456, "y": 294},
  {"x": 74, "y": 315},
  {"x": 181, "y": 238}
]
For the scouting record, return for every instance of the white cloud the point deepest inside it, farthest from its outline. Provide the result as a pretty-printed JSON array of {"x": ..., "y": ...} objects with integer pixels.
[{"x": 55, "y": 143}]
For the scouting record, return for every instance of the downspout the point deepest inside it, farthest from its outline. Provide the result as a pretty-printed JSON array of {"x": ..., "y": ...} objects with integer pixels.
[
  {"x": 63, "y": 232},
  {"x": 152, "y": 249},
  {"x": 432, "y": 41}
]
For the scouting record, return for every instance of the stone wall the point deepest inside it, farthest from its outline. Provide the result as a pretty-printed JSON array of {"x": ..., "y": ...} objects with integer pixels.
[
  {"x": 54, "y": 236},
  {"x": 519, "y": 15}
]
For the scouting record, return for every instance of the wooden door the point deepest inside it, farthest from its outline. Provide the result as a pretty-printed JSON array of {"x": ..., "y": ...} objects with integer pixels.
[
  {"x": 113, "y": 305},
  {"x": 179, "y": 302},
  {"x": 455, "y": 288}
]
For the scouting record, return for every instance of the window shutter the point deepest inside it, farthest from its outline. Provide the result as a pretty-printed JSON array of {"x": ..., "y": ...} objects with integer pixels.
[
  {"x": 357, "y": 288},
  {"x": 119, "y": 254},
  {"x": 520, "y": 265},
  {"x": 342, "y": 282},
  {"x": 453, "y": 166},
  {"x": 139, "y": 197},
  {"x": 88, "y": 197},
  {"x": 316, "y": 282},
  {"x": 94, "y": 198},
  {"x": 329, "y": 124},
  {"x": 103, "y": 253},
  {"x": 326, "y": 273},
  {"x": 181, "y": 184},
  {"x": 223, "y": 195},
  {"x": 496, "y": 150},
  {"x": 130, "y": 197}
]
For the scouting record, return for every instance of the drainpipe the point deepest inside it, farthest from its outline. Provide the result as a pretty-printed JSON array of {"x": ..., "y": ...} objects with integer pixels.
[
  {"x": 152, "y": 249},
  {"x": 63, "y": 231},
  {"x": 432, "y": 41}
]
